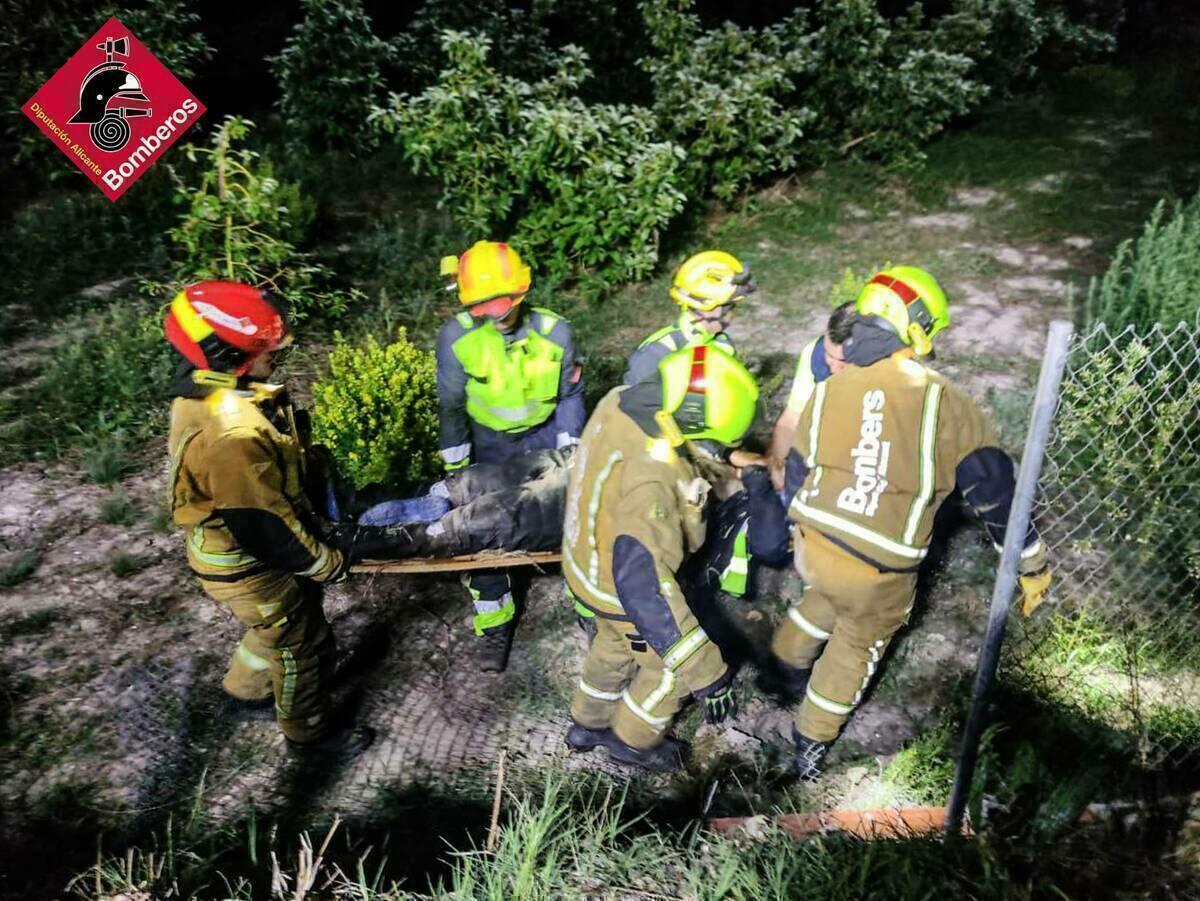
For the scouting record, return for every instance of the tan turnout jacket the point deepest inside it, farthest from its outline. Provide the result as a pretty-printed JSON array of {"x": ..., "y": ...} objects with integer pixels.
[
  {"x": 881, "y": 444},
  {"x": 227, "y": 455},
  {"x": 623, "y": 482}
]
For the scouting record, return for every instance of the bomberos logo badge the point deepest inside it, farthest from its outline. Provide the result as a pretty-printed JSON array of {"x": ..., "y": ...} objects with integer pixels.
[{"x": 113, "y": 109}]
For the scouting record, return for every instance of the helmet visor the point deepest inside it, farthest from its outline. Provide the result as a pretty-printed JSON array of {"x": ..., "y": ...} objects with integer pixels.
[{"x": 495, "y": 309}]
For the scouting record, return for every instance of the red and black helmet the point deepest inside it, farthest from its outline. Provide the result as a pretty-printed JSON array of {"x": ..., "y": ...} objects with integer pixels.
[{"x": 225, "y": 326}]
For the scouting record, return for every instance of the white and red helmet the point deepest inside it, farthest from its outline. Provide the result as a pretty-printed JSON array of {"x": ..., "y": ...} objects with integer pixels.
[{"x": 225, "y": 326}]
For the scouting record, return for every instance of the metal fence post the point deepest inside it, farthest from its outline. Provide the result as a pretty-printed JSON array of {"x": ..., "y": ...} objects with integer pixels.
[{"x": 1045, "y": 403}]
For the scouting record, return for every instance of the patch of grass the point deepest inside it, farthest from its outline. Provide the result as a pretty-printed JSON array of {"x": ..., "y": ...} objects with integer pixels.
[
  {"x": 924, "y": 770},
  {"x": 107, "y": 459},
  {"x": 105, "y": 377},
  {"x": 577, "y": 837},
  {"x": 35, "y": 623},
  {"x": 123, "y": 565},
  {"x": 159, "y": 518},
  {"x": 118, "y": 509},
  {"x": 20, "y": 568}
]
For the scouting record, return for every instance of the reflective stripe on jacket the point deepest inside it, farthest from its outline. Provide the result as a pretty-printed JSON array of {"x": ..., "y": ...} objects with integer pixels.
[
  {"x": 233, "y": 470},
  {"x": 881, "y": 445},
  {"x": 505, "y": 383},
  {"x": 635, "y": 511}
]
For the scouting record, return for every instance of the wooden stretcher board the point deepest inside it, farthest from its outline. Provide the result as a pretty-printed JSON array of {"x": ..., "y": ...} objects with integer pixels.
[{"x": 485, "y": 560}]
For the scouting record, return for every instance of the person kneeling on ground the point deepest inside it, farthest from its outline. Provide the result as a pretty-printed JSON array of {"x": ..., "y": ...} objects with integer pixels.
[
  {"x": 636, "y": 506},
  {"x": 236, "y": 486}
]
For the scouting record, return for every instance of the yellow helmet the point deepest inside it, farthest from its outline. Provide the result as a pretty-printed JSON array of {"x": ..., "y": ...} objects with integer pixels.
[
  {"x": 910, "y": 301},
  {"x": 708, "y": 395},
  {"x": 487, "y": 270},
  {"x": 711, "y": 279}
]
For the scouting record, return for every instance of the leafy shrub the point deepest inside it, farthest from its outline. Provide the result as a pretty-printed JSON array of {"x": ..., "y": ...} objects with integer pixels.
[
  {"x": 37, "y": 36},
  {"x": 243, "y": 224},
  {"x": 579, "y": 187},
  {"x": 1153, "y": 278},
  {"x": 521, "y": 42},
  {"x": 882, "y": 88},
  {"x": 724, "y": 94},
  {"x": 1011, "y": 39},
  {"x": 377, "y": 412},
  {"x": 1129, "y": 428},
  {"x": 330, "y": 73}
]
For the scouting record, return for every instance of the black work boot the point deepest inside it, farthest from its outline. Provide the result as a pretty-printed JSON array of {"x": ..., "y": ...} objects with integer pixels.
[
  {"x": 780, "y": 679},
  {"x": 242, "y": 710},
  {"x": 343, "y": 743},
  {"x": 583, "y": 738},
  {"x": 810, "y": 754},
  {"x": 493, "y": 648},
  {"x": 665, "y": 757}
]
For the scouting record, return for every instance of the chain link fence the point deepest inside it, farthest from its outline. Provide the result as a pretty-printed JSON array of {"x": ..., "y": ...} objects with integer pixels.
[
  {"x": 1119, "y": 507},
  {"x": 1118, "y": 504}
]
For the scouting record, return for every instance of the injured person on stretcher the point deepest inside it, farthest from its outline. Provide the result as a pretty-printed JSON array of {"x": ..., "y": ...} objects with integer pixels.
[{"x": 516, "y": 505}]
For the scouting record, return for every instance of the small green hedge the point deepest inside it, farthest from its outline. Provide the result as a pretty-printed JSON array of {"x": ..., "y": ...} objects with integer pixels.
[{"x": 376, "y": 410}]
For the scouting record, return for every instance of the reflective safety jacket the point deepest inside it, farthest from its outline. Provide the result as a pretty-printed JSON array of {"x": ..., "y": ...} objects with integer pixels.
[
  {"x": 635, "y": 511},
  {"x": 506, "y": 383},
  {"x": 236, "y": 484},
  {"x": 684, "y": 333},
  {"x": 811, "y": 369},
  {"x": 877, "y": 451}
]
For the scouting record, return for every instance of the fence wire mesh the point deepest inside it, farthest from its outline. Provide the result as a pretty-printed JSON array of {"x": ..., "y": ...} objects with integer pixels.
[{"x": 1118, "y": 505}]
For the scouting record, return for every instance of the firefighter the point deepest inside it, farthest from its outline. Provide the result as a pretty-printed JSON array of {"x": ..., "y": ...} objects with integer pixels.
[
  {"x": 820, "y": 359},
  {"x": 509, "y": 382},
  {"x": 707, "y": 287},
  {"x": 236, "y": 474},
  {"x": 878, "y": 448},
  {"x": 636, "y": 505}
]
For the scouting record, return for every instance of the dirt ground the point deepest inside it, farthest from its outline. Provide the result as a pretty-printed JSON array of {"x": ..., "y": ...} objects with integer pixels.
[{"x": 109, "y": 683}]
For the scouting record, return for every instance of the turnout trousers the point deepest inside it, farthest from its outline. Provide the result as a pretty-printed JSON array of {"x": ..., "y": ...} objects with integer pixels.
[
  {"x": 288, "y": 650},
  {"x": 626, "y": 687},
  {"x": 840, "y": 628}
]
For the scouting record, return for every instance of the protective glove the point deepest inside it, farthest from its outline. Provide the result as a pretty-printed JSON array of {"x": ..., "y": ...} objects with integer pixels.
[
  {"x": 720, "y": 699},
  {"x": 1034, "y": 588},
  {"x": 1034, "y": 578}
]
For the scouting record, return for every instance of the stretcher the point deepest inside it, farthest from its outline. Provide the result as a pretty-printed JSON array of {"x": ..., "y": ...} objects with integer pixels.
[{"x": 482, "y": 560}]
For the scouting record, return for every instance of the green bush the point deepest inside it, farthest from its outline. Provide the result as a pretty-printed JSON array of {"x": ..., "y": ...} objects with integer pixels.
[
  {"x": 243, "y": 224},
  {"x": 106, "y": 376},
  {"x": 330, "y": 73},
  {"x": 724, "y": 95},
  {"x": 1011, "y": 40},
  {"x": 1128, "y": 431},
  {"x": 1153, "y": 278},
  {"x": 580, "y": 188},
  {"x": 882, "y": 88},
  {"x": 377, "y": 412},
  {"x": 520, "y": 41}
]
